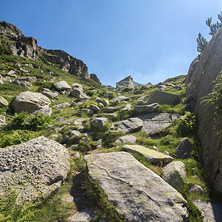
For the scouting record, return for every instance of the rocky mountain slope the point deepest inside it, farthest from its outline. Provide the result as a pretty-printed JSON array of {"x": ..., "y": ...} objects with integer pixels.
[{"x": 75, "y": 150}]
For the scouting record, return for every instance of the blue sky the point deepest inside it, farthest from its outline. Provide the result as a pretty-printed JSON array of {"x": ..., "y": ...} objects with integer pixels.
[{"x": 152, "y": 40}]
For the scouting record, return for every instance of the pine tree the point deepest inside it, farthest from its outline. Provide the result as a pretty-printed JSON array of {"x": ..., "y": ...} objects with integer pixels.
[{"x": 201, "y": 43}]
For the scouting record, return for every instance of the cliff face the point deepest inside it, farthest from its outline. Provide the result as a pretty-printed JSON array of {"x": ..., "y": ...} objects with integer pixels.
[
  {"x": 28, "y": 47},
  {"x": 203, "y": 71},
  {"x": 67, "y": 63}
]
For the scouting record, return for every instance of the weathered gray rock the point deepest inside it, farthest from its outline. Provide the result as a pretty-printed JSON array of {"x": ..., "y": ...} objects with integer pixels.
[
  {"x": 154, "y": 122},
  {"x": 199, "y": 82},
  {"x": 61, "y": 105},
  {"x": 152, "y": 156},
  {"x": 184, "y": 148},
  {"x": 105, "y": 102},
  {"x": 127, "y": 107},
  {"x": 126, "y": 82},
  {"x": 44, "y": 111},
  {"x": 146, "y": 108},
  {"x": 120, "y": 98},
  {"x": 22, "y": 83},
  {"x": 33, "y": 169},
  {"x": 130, "y": 125},
  {"x": 135, "y": 191},
  {"x": 210, "y": 211},
  {"x": 164, "y": 98},
  {"x": 85, "y": 215},
  {"x": 94, "y": 108},
  {"x": 77, "y": 86},
  {"x": 98, "y": 122},
  {"x": 3, "y": 102},
  {"x": 62, "y": 86},
  {"x": 2, "y": 120},
  {"x": 174, "y": 173},
  {"x": 109, "y": 109},
  {"x": 47, "y": 92},
  {"x": 126, "y": 139},
  {"x": 196, "y": 189},
  {"x": 11, "y": 73},
  {"x": 30, "y": 102},
  {"x": 79, "y": 95}
]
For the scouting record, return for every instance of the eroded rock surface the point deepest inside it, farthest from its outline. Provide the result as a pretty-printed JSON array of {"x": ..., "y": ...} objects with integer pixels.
[
  {"x": 135, "y": 191},
  {"x": 33, "y": 169}
]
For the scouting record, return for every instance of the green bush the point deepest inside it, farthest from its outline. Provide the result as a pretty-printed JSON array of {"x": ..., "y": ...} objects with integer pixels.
[
  {"x": 19, "y": 120},
  {"x": 187, "y": 125},
  {"x": 38, "y": 121},
  {"x": 26, "y": 121}
]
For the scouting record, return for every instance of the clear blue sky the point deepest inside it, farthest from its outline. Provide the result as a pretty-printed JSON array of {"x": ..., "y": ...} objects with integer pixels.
[{"x": 151, "y": 40}]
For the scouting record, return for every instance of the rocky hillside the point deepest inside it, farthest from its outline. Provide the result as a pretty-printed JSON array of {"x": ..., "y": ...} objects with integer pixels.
[
  {"x": 75, "y": 150},
  {"x": 14, "y": 42}
]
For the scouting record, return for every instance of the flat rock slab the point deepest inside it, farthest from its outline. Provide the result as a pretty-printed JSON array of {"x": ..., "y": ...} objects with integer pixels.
[
  {"x": 135, "y": 191},
  {"x": 153, "y": 156},
  {"x": 84, "y": 216},
  {"x": 211, "y": 212},
  {"x": 154, "y": 122},
  {"x": 33, "y": 169},
  {"x": 130, "y": 125}
]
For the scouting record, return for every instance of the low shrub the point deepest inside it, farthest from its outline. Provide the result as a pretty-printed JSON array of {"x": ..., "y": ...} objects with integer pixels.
[{"x": 187, "y": 125}]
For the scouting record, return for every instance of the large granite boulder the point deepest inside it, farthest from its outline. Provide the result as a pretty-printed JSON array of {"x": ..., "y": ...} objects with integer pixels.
[
  {"x": 130, "y": 125},
  {"x": 30, "y": 102},
  {"x": 126, "y": 82},
  {"x": 33, "y": 169},
  {"x": 174, "y": 173},
  {"x": 152, "y": 156},
  {"x": 135, "y": 191},
  {"x": 200, "y": 80},
  {"x": 164, "y": 98}
]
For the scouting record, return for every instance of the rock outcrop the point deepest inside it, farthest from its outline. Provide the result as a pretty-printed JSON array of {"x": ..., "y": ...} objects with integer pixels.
[
  {"x": 33, "y": 169},
  {"x": 68, "y": 63},
  {"x": 19, "y": 44},
  {"x": 135, "y": 191},
  {"x": 203, "y": 71},
  {"x": 127, "y": 82}
]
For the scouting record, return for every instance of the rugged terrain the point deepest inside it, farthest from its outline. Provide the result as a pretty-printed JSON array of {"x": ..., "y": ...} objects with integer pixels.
[{"x": 75, "y": 150}]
